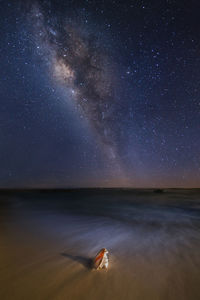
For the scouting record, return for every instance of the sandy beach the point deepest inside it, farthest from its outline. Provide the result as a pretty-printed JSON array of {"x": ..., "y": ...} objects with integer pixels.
[{"x": 47, "y": 241}]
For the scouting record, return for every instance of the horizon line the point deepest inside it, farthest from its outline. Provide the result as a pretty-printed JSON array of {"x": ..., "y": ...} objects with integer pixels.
[{"x": 89, "y": 187}]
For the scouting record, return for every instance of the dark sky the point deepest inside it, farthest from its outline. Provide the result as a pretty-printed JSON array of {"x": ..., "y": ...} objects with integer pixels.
[{"x": 100, "y": 93}]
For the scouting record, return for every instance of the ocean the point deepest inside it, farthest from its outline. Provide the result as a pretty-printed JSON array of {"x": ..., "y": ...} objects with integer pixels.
[{"x": 48, "y": 239}]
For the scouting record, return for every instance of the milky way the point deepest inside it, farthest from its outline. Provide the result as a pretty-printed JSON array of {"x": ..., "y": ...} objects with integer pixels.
[
  {"x": 100, "y": 93},
  {"x": 78, "y": 60}
]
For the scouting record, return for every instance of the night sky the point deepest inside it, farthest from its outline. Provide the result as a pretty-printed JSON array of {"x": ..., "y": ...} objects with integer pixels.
[{"x": 100, "y": 93}]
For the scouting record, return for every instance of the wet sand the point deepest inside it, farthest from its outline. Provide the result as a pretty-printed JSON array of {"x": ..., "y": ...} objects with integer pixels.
[{"x": 47, "y": 241}]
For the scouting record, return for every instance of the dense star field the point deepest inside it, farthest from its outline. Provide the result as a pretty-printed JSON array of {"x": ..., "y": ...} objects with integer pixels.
[{"x": 100, "y": 93}]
